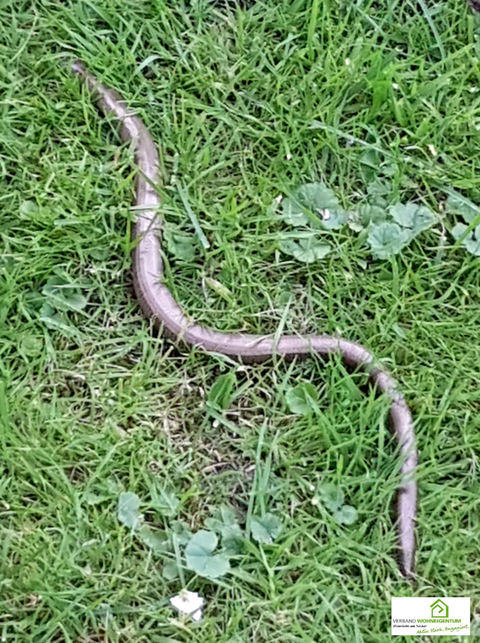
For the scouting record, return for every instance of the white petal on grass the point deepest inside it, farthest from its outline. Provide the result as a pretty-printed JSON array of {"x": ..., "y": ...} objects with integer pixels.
[{"x": 189, "y": 604}]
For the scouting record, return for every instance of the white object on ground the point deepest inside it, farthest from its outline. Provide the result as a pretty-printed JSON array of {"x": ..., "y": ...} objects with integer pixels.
[{"x": 188, "y": 603}]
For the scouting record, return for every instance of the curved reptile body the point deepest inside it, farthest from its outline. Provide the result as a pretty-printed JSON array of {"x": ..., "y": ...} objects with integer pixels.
[{"x": 157, "y": 303}]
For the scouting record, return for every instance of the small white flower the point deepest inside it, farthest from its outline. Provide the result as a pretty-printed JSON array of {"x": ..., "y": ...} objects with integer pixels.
[
  {"x": 288, "y": 157},
  {"x": 311, "y": 487},
  {"x": 395, "y": 86},
  {"x": 278, "y": 199},
  {"x": 473, "y": 89},
  {"x": 188, "y": 603},
  {"x": 432, "y": 150},
  {"x": 347, "y": 61},
  {"x": 326, "y": 214},
  {"x": 315, "y": 501}
]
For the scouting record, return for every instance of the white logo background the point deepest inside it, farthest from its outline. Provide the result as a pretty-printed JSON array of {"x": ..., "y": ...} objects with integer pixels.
[{"x": 417, "y": 616}]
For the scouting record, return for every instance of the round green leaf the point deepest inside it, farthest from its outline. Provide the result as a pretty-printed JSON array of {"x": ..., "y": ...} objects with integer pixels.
[
  {"x": 371, "y": 213},
  {"x": 266, "y": 529},
  {"x": 378, "y": 189},
  {"x": 387, "y": 239},
  {"x": 472, "y": 243},
  {"x": 63, "y": 295},
  {"x": 305, "y": 250},
  {"x": 293, "y": 213},
  {"x": 333, "y": 219},
  {"x": 180, "y": 532},
  {"x": 346, "y": 515},
  {"x": 203, "y": 543},
  {"x": 403, "y": 213},
  {"x": 156, "y": 540},
  {"x": 201, "y": 559},
  {"x": 332, "y": 496},
  {"x": 165, "y": 501},
  {"x": 459, "y": 204},
  {"x": 302, "y": 399},
  {"x": 313, "y": 203},
  {"x": 225, "y": 522},
  {"x": 128, "y": 506},
  {"x": 411, "y": 215},
  {"x": 180, "y": 245},
  {"x": 55, "y": 321},
  {"x": 459, "y": 230},
  {"x": 170, "y": 570}
]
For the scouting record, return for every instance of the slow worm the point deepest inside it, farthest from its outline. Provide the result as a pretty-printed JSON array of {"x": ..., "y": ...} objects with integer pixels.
[{"x": 157, "y": 303}]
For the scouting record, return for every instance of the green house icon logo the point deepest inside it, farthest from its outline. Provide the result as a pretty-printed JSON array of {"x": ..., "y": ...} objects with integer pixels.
[{"x": 439, "y": 609}]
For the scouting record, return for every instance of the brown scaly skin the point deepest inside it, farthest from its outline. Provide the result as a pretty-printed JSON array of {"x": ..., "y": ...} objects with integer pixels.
[{"x": 157, "y": 303}]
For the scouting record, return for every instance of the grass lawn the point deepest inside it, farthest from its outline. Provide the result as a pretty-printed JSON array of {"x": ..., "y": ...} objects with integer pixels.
[{"x": 372, "y": 98}]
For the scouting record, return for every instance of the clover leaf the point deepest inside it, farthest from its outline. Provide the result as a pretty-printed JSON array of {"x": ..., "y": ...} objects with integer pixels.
[
  {"x": 472, "y": 241},
  {"x": 413, "y": 216},
  {"x": 379, "y": 188},
  {"x": 165, "y": 501},
  {"x": 180, "y": 532},
  {"x": 307, "y": 249},
  {"x": 128, "y": 510},
  {"x": 459, "y": 230},
  {"x": 459, "y": 204},
  {"x": 156, "y": 540},
  {"x": 181, "y": 245},
  {"x": 62, "y": 295},
  {"x": 266, "y": 529},
  {"x": 332, "y": 496},
  {"x": 293, "y": 213},
  {"x": 170, "y": 570},
  {"x": 225, "y": 523},
  {"x": 387, "y": 239},
  {"x": 201, "y": 559},
  {"x": 346, "y": 515},
  {"x": 302, "y": 399},
  {"x": 55, "y": 321},
  {"x": 371, "y": 213},
  {"x": 313, "y": 203}
]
